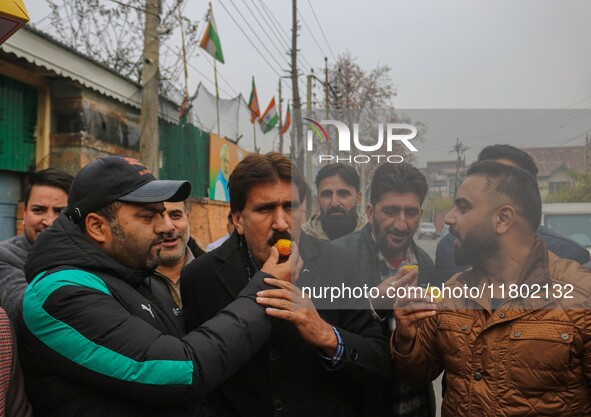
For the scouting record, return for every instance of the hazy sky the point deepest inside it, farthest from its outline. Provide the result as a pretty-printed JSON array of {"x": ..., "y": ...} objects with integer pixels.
[{"x": 444, "y": 54}]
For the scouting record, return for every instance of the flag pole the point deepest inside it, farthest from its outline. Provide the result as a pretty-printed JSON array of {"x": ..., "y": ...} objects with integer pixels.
[
  {"x": 215, "y": 77},
  {"x": 254, "y": 133},
  {"x": 217, "y": 93},
  {"x": 280, "y": 121},
  {"x": 186, "y": 97}
]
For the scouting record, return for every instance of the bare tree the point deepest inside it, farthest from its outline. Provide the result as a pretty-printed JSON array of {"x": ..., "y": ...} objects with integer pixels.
[
  {"x": 365, "y": 97},
  {"x": 111, "y": 32},
  {"x": 354, "y": 88}
]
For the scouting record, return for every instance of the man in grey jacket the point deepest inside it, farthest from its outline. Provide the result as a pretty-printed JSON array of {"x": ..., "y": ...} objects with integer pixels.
[{"x": 45, "y": 197}]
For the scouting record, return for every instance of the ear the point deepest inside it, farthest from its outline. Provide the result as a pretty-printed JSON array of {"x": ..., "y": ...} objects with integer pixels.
[
  {"x": 504, "y": 218},
  {"x": 369, "y": 213},
  {"x": 24, "y": 214},
  {"x": 98, "y": 228},
  {"x": 188, "y": 213},
  {"x": 238, "y": 219},
  {"x": 358, "y": 200}
]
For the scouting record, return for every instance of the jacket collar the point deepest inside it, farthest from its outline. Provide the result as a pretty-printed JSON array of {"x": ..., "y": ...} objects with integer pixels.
[
  {"x": 233, "y": 272},
  {"x": 65, "y": 245},
  {"x": 534, "y": 271}
]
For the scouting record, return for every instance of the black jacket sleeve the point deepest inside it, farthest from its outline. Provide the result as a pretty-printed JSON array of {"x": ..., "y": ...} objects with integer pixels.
[{"x": 85, "y": 334}]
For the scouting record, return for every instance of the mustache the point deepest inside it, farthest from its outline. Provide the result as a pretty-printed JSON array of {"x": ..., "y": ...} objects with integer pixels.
[
  {"x": 278, "y": 235},
  {"x": 397, "y": 233},
  {"x": 171, "y": 235},
  {"x": 336, "y": 210}
]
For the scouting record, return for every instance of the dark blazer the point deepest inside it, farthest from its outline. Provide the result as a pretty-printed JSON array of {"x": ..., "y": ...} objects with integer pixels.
[{"x": 288, "y": 377}]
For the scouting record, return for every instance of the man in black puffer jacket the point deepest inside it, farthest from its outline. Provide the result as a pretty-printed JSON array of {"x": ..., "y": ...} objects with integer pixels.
[{"x": 100, "y": 340}]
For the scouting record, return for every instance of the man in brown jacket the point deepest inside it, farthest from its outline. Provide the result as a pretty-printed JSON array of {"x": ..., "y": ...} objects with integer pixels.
[{"x": 513, "y": 334}]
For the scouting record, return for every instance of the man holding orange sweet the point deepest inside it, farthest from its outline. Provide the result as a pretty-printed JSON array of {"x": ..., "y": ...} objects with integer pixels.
[
  {"x": 320, "y": 355},
  {"x": 385, "y": 249}
]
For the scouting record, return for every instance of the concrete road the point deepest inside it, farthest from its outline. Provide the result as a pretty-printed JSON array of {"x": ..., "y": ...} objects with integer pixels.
[{"x": 429, "y": 245}]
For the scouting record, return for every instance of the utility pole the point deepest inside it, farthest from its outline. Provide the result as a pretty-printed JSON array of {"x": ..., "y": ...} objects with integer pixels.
[
  {"x": 459, "y": 149},
  {"x": 149, "y": 140},
  {"x": 326, "y": 87},
  {"x": 587, "y": 156},
  {"x": 297, "y": 149},
  {"x": 280, "y": 119},
  {"x": 326, "y": 100},
  {"x": 308, "y": 171}
]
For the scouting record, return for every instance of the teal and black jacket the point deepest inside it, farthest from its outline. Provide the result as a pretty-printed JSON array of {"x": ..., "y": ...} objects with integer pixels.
[{"x": 99, "y": 340}]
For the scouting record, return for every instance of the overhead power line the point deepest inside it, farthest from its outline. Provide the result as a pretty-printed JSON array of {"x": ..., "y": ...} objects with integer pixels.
[
  {"x": 322, "y": 31},
  {"x": 271, "y": 54},
  {"x": 278, "y": 34},
  {"x": 311, "y": 34},
  {"x": 279, "y": 49},
  {"x": 277, "y": 25},
  {"x": 251, "y": 42}
]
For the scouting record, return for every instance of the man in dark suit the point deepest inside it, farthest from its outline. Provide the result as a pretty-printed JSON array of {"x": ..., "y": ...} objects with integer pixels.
[{"x": 319, "y": 362}]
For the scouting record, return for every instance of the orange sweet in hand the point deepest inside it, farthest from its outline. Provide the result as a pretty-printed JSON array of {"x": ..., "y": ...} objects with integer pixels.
[
  {"x": 407, "y": 268},
  {"x": 284, "y": 247}
]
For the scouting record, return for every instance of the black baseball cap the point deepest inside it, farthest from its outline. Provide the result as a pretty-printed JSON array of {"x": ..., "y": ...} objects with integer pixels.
[{"x": 119, "y": 178}]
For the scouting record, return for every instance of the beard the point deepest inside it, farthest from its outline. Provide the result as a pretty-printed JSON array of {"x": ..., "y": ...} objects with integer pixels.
[
  {"x": 172, "y": 256},
  {"x": 129, "y": 251},
  {"x": 337, "y": 222},
  {"x": 476, "y": 247},
  {"x": 389, "y": 248}
]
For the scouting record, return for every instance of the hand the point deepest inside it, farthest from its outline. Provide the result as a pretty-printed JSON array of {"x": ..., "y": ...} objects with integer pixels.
[
  {"x": 409, "y": 312},
  {"x": 384, "y": 299},
  {"x": 272, "y": 266},
  {"x": 284, "y": 270},
  {"x": 287, "y": 303}
]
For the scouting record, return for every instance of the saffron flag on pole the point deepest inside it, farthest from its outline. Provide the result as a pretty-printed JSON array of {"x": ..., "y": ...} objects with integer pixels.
[
  {"x": 287, "y": 123},
  {"x": 211, "y": 40},
  {"x": 253, "y": 104},
  {"x": 269, "y": 118}
]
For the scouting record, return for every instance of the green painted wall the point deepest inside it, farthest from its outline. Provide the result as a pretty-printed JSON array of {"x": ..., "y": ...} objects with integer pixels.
[
  {"x": 185, "y": 151},
  {"x": 18, "y": 119}
]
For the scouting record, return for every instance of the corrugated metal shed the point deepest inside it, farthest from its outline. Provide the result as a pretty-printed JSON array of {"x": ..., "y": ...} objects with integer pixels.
[{"x": 41, "y": 50}]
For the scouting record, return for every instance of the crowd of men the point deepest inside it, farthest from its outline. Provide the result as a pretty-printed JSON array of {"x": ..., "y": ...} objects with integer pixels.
[{"x": 118, "y": 312}]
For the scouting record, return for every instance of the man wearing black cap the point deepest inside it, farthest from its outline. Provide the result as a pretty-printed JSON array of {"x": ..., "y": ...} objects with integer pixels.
[{"x": 98, "y": 339}]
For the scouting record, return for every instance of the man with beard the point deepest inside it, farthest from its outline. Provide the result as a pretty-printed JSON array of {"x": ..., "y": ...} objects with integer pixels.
[
  {"x": 382, "y": 248},
  {"x": 96, "y": 337},
  {"x": 317, "y": 361},
  {"x": 175, "y": 252},
  {"x": 338, "y": 197},
  {"x": 560, "y": 245},
  {"x": 512, "y": 348}
]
